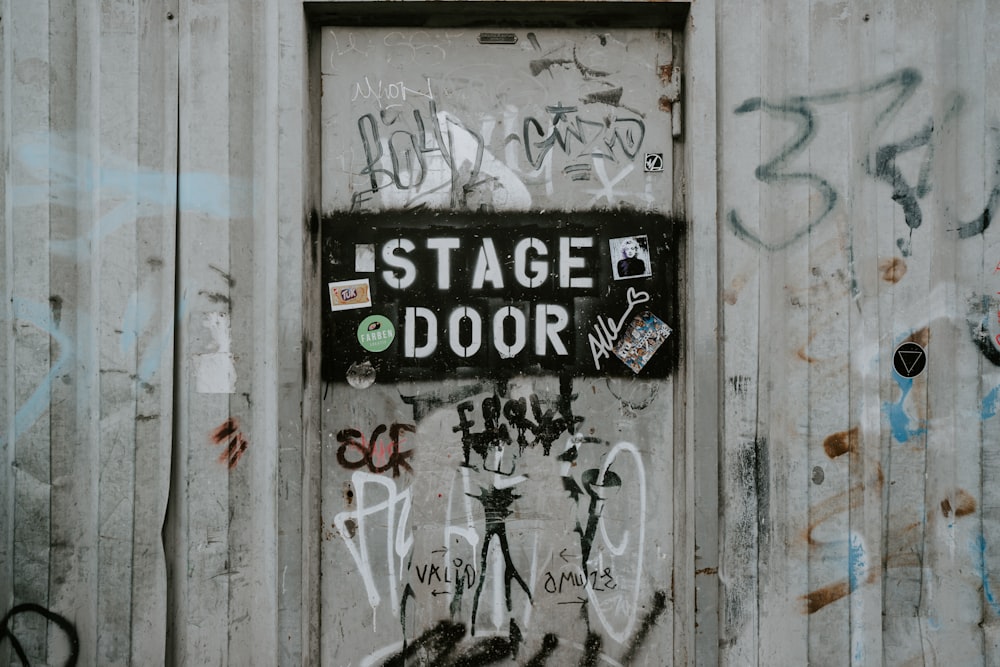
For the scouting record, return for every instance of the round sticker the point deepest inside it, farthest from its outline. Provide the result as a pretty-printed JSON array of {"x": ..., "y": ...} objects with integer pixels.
[
  {"x": 909, "y": 360},
  {"x": 376, "y": 333}
]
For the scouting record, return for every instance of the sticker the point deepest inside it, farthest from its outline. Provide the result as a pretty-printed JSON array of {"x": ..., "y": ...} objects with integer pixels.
[
  {"x": 909, "y": 360},
  {"x": 376, "y": 333},
  {"x": 642, "y": 338},
  {"x": 361, "y": 375},
  {"x": 364, "y": 258},
  {"x": 630, "y": 257},
  {"x": 350, "y": 294},
  {"x": 215, "y": 372},
  {"x": 654, "y": 162}
]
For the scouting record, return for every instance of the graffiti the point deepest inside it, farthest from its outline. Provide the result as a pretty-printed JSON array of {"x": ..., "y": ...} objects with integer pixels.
[
  {"x": 60, "y": 173},
  {"x": 605, "y": 581},
  {"x": 496, "y": 502},
  {"x": 836, "y": 445},
  {"x": 52, "y": 170},
  {"x": 550, "y": 422},
  {"x": 430, "y": 157},
  {"x": 447, "y": 645},
  {"x": 984, "y": 327},
  {"x": 392, "y": 514},
  {"x": 607, "y": 330},
  {"x": 979, "y": 558},
  {"x": 433, "y": 159},
  {"x": 394, "y": 92},
  {"x": 61, "y": 622},
  {"x": 861, "y": 570},
  {"x": 236, "y": 443},
  {"x": 374, "y": 454},
  {"x": 412, "y": 42},
  {"x": 459, "y": 572},
  {"x": 426, "y": 402},
  {"x": 484, "y": 572},
  {"x": 601, "y": 485},
  {"x": 880, "y": 163},
  {"x": 579, "y": 137}
]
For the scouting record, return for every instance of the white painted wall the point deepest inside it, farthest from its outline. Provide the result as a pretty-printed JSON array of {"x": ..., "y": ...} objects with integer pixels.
[{"x": 158, "y": 179}]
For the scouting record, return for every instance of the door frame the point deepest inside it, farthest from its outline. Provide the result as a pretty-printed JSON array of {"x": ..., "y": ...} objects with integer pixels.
[{"x": 699, "y": 437}]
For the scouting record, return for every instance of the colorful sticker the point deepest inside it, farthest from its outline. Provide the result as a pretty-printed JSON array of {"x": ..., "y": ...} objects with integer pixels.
[
  {"x": 376, "y": 333},
  {"x": 350, "y": 294},
  {"x": 641, "y": 339}
]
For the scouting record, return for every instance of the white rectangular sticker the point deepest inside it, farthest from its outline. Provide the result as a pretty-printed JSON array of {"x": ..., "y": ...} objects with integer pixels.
[{"x": 350, "y": 294}]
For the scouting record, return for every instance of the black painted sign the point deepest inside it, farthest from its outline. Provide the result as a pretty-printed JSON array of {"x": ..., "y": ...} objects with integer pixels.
[{"x": 424, "y": 295}]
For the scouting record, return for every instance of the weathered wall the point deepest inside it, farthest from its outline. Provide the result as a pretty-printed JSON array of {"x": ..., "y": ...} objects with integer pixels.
[
  {"x": 859, "y": 176},
  {"x": 168, "y": 451}
]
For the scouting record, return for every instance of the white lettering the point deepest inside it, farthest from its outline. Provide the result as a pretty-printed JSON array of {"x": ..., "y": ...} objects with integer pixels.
[
  {"x": 506, "y": 349},
  {"x": 607, "y": 332},
  {"x": 409, "y": 271},
  {"x": 410, "y": 348},
  {"x": 443, "y": 246},
  {"x": 487, "y": 267},
  {"x": 546, "y": 330},
  {"x": 454, "y": 332},
  {"x": 567, "y": 262},
  {"x": 539, "y": 269}
]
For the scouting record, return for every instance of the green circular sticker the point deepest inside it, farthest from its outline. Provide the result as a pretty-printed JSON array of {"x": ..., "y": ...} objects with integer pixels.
[{"x": 376, "y": 333}]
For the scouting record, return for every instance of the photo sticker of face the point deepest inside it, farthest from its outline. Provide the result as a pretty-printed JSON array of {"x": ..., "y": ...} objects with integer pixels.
[{"x": 630, "y": 257}]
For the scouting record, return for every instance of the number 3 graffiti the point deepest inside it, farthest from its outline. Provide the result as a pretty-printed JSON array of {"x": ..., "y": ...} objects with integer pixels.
[{"x": 880, "y": 163}]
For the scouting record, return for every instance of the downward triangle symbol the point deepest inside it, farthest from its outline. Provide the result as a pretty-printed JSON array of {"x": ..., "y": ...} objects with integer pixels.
[{"x": 910, "y": 359}]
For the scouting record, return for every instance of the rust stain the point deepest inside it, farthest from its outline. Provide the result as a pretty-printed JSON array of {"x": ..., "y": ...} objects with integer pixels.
[
  {"x": 665, "y": 104},
  {"x": 892, "y": 270},
  {"x": 666, "y": 72},
  {"x": 804, "y": 356},
  {"x": 826, "y": 595},
  {"x": 844, "y": 442},
  {"x": 961, "y": 503},
  {"x": 842, "y": 502},
  {"x": 707, "y": 570},
  {"x": 921, "y": 337},
  {"x": 732, "y": 293}
]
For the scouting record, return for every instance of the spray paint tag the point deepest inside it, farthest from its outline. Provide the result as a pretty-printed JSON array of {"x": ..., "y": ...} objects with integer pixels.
[{"x": 376, "y": 333}]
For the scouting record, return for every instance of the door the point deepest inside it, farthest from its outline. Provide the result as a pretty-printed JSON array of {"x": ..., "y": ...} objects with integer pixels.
[{"x": 502, "y": 342}]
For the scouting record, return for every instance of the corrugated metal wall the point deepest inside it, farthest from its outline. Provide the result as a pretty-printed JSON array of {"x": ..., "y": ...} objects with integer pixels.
[
  {"x": 859, "y": 174},
  {"x": 160, "y": 411}
]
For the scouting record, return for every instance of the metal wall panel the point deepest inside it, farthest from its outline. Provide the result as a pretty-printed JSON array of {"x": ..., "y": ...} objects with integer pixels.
[
  {"x": 859, "y": 179},
  {"x": 89, "y": 137}
]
